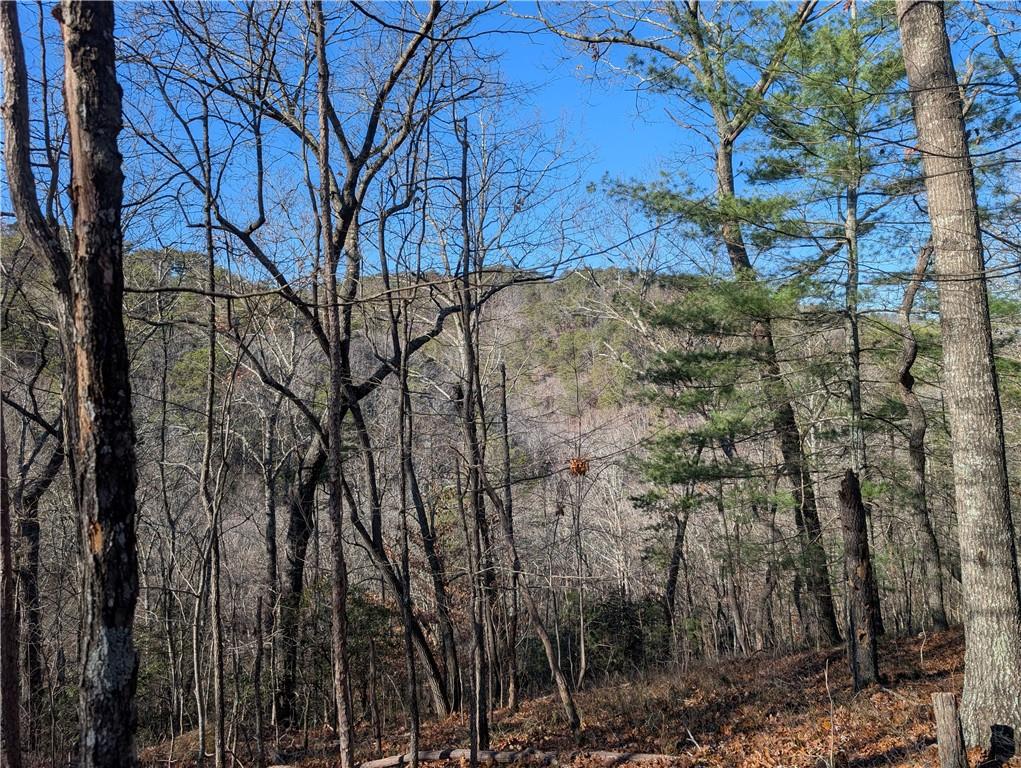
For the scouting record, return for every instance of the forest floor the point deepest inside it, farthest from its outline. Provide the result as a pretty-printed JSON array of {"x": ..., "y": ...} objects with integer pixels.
[{"x": 794, "y": 711}]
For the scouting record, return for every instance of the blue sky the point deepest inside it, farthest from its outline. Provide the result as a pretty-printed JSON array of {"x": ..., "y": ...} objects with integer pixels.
[
  {"x": 624, "y": 134},
  {"x": 617, "y": 132}
]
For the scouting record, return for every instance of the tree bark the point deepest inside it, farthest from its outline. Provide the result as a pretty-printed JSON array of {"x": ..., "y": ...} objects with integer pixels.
[
  {"x": 852, "y": 351},
  {"x": 103, "y": 433},
  {"x": 299, "y": 530},
  {"x": 508, "y": 502},
  {"x": 948, "y": 731},
  {"x": 10, "y": 683},
  {"x": 483, "y": 576},
  {"x": 269, "y": 600},
  {"x": 673, "y": 571},
  {"x": 339, "y": 584},
  {"x": 862, "y": 652},
  {"x": 42, "y": 235},
  {"x": 26, "y": 503},
  {"x": 437, "y": 574},
  {"x": 992, "y": 596},
  {"x": 207, "y": 490},
  {"x": 928, "y": 545}
]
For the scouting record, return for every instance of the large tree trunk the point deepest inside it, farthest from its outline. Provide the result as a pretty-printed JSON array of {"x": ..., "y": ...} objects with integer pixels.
[
  {"x": 928, "y": 546},
  {"x": 861, "y": 618},
  {"x": 103, "y": 432},
  {"x": 992, "y": 596}
]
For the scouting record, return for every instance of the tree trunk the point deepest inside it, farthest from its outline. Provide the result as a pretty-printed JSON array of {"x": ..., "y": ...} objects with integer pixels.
[
  {"x": 26, "y": 503},
  {"x": 299, "y": 530},
  {"x": 794, "y": 466},
  {"x": 928, "y": 546},
  {"x": 473, "y": 452},
  {"x": 96, "y": 390},
  {"x": 992, "y": 596},
  {"x": 852, "y": 351},
  {"x": 10, "y": 684},
  {"x": 260, "y": 745},
  {"x": 508, "y": 500},
  {"x": 271, "y": 591},
  {"x": 42, "y": 234},
  {"x": 852, "y": 341},
  {"x": 394, "y": 583},
  {"x": 339, "y": 585},
  {"x": 104, "y": 436},
  {"x": 862, "y": 653},
  {"x": 406, "y": 439},
  {"x": 437, "y": 574},
  {"x": 673, "y": 571},
  {"x": 207, "y": 491},
  {"x": 949, "y": 739}
]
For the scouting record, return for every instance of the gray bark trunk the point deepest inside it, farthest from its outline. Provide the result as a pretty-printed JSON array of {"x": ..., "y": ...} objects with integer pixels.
[
  {"x": 339, "y": 583},
  {"x": 992, "y": 597},
  {"x": 299, "y": 531},
  {"x": 928, "y": 545}
]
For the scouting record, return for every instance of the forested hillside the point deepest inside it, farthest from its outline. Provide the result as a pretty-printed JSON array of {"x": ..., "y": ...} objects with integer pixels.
[{"x": 350, "y": 410}]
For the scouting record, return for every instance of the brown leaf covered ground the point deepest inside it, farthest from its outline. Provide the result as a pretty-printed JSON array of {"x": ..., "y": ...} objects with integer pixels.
[{"x": 796, "y": 711}]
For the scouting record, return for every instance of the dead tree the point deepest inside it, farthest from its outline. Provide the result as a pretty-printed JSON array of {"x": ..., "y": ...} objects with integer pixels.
[
  {"x": 949, "y": 738},
  {"x": 862, "y": 651},
  {"x": 97, "y": 392}
]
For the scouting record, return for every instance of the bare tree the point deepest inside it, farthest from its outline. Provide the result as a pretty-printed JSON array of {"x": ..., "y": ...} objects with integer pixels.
[{"x": 97, "y": 391}]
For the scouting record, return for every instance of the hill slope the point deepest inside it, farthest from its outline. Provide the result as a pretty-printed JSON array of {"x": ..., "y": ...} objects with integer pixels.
[{"x": 797, "y": 711}]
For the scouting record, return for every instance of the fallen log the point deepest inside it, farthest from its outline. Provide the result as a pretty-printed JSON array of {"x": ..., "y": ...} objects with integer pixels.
[
  {"x": 491, "y": 757},
  {"x": 529, "y": 755}
]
